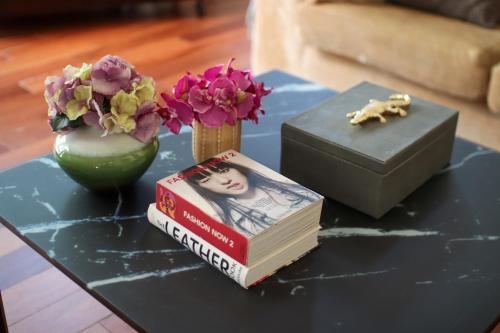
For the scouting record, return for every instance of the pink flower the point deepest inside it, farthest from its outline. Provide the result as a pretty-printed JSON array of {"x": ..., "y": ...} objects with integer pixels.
[
  {"x": 214, "y": 98},
  {"x": 223, "y": 92},
  {"x": 217, "y": 103},
  {"x": 147, "y": 121},
  {"x": 110, "y": 74},
  {"x": 175, "y": 113},
  {"x": 184, "y": 85},
  {"x": 213, "y": 72},
  {"x": 246, "y": 102},
  {"x": 68, "y": 92},
  {"x": 92, "y": 119},
  {"x": 215, "y": 117},
  {"x": 53, "y": 84},
  {"x": 259, "y": 92},
  {"x": 200, "y": 100},
  {"x": 95, "y": 116},
  {"x": 243, "y": 79}
]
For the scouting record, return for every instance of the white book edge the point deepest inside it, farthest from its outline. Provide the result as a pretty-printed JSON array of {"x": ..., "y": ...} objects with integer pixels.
[{"x": 199, "y": 246}]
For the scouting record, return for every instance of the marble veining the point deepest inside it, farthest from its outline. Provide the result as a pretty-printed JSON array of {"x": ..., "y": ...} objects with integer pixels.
[
  {"x": 43, "y": 227},
  {"x": 410, "y": 213},
  {"x": 49, "y": 207},
  {"x": 323, "y": 277},
  {"x": 131, "y": 254},
  {"x": 288, "y": 113},
  {"x": 259, "y": 135},
  {"x": 184, "y": 129},
  {"x": 298, "y": 88},
  {"x": 144, "y": 275},
  {"x": 47, "y": 161},
  {"x": 470, "y": 239},
  {"x": 294, "y": 289},
  {"x": 117, "y": 211},
  {"x": 425, "y": 282},
  {"x": 167, "y": 155},
  {"x": 373, "y": 232},
  {"x": 475, "y": 278},
  {"x": 480, "y": 152}
]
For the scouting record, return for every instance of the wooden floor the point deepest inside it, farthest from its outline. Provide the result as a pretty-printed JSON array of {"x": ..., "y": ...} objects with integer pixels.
[{"x": 38, "y": 298}]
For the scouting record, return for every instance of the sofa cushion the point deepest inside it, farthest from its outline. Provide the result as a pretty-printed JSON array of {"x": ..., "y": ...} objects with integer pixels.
[
  {"x": 438, "y": 52},
  {"x": 486, "y": 13}
]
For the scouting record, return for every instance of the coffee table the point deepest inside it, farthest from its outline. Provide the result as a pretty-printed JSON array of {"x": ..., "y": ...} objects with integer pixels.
[{"x": 430, "y": 264}]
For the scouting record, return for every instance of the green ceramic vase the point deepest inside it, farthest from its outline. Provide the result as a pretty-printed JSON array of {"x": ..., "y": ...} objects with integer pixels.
[{"x": 103, "y": 163}]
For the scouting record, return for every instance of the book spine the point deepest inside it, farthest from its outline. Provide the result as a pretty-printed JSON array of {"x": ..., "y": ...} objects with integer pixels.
[
  {"x": 195, "y": 220},
  {"x": 197, "y": 245}
]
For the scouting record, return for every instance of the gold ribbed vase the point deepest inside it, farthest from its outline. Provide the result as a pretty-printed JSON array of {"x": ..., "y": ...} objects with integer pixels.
[{"x": 208, "y": 142}]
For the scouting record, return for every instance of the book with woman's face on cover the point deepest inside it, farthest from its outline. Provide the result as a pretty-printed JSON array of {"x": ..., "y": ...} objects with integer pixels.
[{"x": 234, "y": 190}]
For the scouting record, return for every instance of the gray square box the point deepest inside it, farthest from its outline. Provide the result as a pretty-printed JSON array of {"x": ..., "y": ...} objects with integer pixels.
[{"x": 373, "y": 166}]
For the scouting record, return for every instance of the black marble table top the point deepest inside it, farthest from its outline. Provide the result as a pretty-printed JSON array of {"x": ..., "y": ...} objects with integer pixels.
[{"x": 432, "y": 264}]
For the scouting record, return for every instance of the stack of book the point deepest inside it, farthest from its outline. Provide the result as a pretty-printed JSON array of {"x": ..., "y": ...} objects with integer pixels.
[{"x": 238, "y": 215}]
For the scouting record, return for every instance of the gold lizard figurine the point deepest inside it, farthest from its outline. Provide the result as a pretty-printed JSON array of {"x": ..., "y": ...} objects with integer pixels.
[{"x": 396, "y": 104}]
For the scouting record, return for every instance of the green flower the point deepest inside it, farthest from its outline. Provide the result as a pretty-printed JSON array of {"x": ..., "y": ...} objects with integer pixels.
[
  {"x": 53, "y": 89},
  {"x": 117, "y": 124},
  {"x": 123, "y": 108},
  {"x": 52, "y": 102},
  {"x": 124, "y": 104},
  {"x": 80, "y": 105},
  {"x": 145, "y": 90},
  {"x": 126, "y": 123},
  {"x": 110, "y": 125},
  {"x": 82, "y": 73}
]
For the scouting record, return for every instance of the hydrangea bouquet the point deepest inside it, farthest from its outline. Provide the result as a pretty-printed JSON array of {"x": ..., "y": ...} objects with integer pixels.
[
  {"x": 213, "y": 98},
  {"x": 109, "y": 95}
]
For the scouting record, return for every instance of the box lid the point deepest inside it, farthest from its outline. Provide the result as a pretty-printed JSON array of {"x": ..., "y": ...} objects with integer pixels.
[{"x": 377, "y": 146}]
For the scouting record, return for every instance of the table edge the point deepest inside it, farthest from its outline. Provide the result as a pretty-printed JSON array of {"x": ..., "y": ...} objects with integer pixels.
[{"x": 71, "y": 276}]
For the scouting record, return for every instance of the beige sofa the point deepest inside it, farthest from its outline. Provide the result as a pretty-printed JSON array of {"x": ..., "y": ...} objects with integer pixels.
[{"x": 310, "y": 38}]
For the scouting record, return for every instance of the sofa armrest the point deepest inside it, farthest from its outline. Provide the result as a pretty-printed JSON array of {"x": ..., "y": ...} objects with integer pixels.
[{"x": 494, "y": 90}]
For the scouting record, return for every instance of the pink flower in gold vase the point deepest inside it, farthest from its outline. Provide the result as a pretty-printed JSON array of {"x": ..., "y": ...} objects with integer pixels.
[
  {"x": 184, "y": 85},
  {"x": 214, "y": 98},
  {"x": 175, "y": 113}
]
